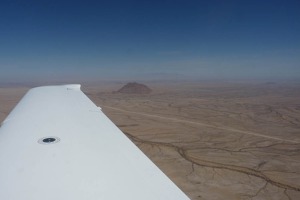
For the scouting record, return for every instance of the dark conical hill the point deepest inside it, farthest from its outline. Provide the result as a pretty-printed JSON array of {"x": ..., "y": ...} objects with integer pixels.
[{"x": 135, "y": 88}]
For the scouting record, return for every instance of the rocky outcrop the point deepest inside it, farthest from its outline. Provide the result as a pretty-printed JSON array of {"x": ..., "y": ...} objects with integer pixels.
[{"x": 135, "y": 88}]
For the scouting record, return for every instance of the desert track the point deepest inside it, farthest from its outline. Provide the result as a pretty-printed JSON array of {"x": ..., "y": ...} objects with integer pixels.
[{"x": 206, "y": 125}]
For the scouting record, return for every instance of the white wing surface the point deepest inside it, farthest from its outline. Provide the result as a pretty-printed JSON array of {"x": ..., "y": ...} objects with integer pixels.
[{"x": 57, "y": 144}]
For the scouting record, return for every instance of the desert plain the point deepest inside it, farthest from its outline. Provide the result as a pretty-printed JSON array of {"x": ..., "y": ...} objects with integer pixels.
[{"x": 215, "y": 140}]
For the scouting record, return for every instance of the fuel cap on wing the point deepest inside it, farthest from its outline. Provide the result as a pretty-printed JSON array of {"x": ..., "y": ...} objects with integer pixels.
[{"x": 49, "y": 140}]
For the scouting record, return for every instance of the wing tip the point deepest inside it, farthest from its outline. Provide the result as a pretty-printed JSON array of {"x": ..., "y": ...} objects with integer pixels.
[
  {"x": 67, "y": 86},
  {"x": 73, "y": 86}
]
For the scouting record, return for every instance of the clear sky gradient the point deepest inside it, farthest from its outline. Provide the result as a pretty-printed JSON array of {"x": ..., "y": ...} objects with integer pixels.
[{"x": 103, "y": 40}]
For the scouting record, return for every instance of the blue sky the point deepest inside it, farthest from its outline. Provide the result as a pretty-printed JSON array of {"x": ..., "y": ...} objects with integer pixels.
[{"x": 103, "y": 40}]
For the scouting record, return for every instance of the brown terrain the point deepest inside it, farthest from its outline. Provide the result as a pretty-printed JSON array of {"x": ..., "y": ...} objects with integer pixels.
[{"x": 214, "y": 140}]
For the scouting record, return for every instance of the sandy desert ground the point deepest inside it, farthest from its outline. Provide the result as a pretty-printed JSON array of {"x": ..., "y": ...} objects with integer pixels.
[{"x": 214, "y": 140}]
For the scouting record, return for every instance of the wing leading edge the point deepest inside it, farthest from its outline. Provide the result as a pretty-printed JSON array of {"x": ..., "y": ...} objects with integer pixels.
[{"x": 57, "y": 144}]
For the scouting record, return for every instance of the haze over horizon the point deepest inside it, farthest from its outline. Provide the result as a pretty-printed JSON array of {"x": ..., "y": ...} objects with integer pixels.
[{"x": 95, "y": 40}]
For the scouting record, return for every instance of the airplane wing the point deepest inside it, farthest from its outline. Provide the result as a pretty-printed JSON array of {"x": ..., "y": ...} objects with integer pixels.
[{"x": 57, "y": 144}]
